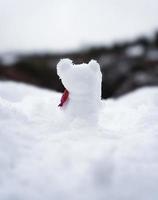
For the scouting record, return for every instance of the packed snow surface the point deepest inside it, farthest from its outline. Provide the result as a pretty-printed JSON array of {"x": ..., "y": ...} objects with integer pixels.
[{"x": 44, "y": 157}]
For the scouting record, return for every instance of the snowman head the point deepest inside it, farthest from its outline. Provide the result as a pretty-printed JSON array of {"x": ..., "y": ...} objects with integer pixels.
[{"x": 80, "y": 78}]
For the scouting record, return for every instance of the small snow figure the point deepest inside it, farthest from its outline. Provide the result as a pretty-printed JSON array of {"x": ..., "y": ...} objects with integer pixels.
[{"x": 82, "y": 97}]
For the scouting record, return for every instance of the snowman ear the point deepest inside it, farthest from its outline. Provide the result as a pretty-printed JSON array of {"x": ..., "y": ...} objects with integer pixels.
[
  {"x": 94, "y": 65},
  {"x": 63, "y": 66}
]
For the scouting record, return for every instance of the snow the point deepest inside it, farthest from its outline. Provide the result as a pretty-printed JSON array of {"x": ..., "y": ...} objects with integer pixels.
[
  {"x": 135, "y": 51},
  {"x": 152, "y": 55},
  {"x": 83, "y": 81},
  {"x": 42, "y": 157},
  {"x": 8, "y": 59}
]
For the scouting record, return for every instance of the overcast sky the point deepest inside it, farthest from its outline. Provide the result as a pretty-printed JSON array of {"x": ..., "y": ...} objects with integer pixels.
[{"x": 59, "y": 25}]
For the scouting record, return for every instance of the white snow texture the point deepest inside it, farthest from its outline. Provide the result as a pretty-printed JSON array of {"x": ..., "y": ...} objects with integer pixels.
[
  {"x": 44, "y": 157},
  {"x": 83, "y": 81}
]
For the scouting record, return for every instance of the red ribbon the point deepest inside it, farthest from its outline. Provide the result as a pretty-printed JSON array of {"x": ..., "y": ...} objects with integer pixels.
[{"x": 64, "y": 98}]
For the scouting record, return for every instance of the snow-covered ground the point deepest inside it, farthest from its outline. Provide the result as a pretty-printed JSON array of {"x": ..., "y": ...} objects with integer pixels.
[{"x": 43, "y": 157}]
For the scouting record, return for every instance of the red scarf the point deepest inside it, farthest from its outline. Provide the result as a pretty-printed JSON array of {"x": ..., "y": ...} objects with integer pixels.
[{"x": 64, "y": 97}]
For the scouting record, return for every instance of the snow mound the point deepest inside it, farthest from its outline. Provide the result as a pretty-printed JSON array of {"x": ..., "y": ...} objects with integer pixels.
[{"x": 43, "y": 157}]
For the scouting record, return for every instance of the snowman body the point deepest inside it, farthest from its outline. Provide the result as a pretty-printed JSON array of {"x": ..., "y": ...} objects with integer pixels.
[{"x": 83, "y": 81}]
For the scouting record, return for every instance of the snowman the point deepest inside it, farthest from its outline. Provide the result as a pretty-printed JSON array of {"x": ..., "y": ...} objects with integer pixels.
[{"x": 82, "y": 96}]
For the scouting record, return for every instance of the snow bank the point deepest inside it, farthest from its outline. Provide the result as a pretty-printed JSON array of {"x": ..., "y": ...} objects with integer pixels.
[{"x": 42, "y": 157}]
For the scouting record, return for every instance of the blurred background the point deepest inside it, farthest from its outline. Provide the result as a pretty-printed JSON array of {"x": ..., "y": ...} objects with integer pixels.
[{"x": 121, "y": 35}]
